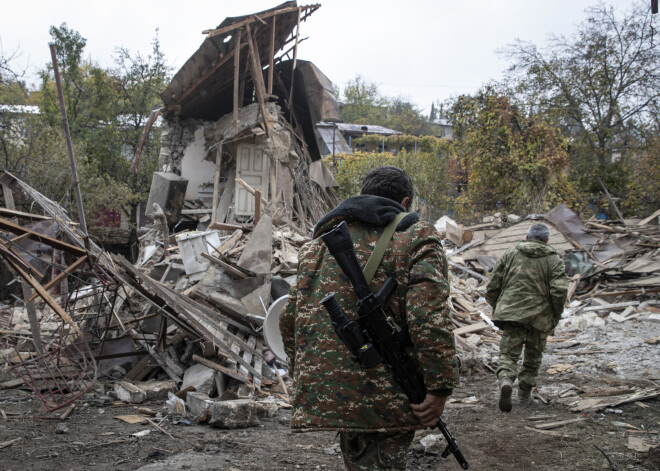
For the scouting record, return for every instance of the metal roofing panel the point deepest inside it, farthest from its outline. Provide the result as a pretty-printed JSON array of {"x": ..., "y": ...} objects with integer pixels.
[{"x": 334, "y": 141}]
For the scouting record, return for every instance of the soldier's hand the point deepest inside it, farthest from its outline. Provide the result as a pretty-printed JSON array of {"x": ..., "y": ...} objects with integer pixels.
[{"x": 429, "y": 411}]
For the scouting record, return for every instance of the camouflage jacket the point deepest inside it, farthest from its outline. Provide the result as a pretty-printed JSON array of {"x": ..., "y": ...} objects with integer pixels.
[
  {"x": 331, "y": 391},
  {"x": 528, "y": 285}
]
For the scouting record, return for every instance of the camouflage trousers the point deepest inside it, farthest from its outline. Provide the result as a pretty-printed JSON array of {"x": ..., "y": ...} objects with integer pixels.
[
  {"x": 514, "y": 336},
  {"x": 375, "y": 451}
]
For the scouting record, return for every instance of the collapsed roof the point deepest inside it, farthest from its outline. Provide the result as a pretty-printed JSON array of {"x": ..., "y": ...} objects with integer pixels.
[{"x": 206, "y": 87}]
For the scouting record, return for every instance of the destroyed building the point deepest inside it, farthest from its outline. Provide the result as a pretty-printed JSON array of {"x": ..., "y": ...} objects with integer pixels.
[{"x": 242, "y": 109}]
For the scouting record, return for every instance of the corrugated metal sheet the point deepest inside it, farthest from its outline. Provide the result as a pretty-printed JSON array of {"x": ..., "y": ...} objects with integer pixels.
[
  {"x": 365, "y": 129},
  {"x": 333, "y": 141}
]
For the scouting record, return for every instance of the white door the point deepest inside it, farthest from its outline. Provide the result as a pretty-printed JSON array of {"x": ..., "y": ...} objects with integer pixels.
[{"x": 252, "y": 167}]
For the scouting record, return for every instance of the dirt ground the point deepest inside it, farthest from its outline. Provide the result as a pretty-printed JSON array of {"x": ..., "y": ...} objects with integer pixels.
[{"x": 489, "y": 439}]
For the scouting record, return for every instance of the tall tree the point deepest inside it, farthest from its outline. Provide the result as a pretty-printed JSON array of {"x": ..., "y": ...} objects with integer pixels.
[
  {"x": 365, "y": 104},
  {"x": 107, "y": 111},
  {"x": 510, "y": 159},
  {"x": 600, "y": 84}
]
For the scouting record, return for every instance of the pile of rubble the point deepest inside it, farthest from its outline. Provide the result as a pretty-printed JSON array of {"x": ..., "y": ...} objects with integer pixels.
[
  {"x": 184, "y": 324},
  {"x": 614, "y": 271},
  {"x": 185, "y": 321}
]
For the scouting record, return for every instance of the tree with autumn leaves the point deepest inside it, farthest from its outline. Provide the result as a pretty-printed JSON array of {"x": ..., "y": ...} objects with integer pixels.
[{"x": 107, "y": 109}]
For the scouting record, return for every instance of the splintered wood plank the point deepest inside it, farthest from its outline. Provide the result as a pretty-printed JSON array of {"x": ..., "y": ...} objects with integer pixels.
[
  {"x": 258, "y": 362},
  {"x": 222, "y": 369},
  {"x": 226, "y": 198},
  {"x": 141, "y": 369},
  {"x": 232, "y": 271},
  {"x": 63, "y": 274},
  {"x": 236, "y": 349},
  {"x": 12, "y": 213},
  {"x": 237, "y": 63},
  {"x": 560, "y": 423},
  {"x": 229, "y": 243},
  {"x": 247, "y": 356},
  {"x": 56, "y": 244},
  {"x": 216, "y": 182},
  {"x": 468, "y": 329}
]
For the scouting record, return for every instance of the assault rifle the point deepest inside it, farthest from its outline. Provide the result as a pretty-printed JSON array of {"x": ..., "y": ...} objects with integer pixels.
[{"x": 375, "y": 337}]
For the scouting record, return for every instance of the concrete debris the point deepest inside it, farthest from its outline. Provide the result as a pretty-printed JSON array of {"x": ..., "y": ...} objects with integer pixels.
[
  {"x": 198, "y": 403},
  {"x": 61, "y": 429},
  {"x": 240, "y": 413},
  {"x": 201, "y": 378},
  {"x": 130, "y": 393}
]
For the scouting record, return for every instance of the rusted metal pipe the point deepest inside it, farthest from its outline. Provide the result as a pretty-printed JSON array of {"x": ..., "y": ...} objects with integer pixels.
[{"x": 69, "y": 144}]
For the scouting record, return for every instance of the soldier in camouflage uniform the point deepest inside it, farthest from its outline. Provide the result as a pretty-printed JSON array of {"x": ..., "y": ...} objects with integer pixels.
[
  {"x": 527, "y": 289},
  {"x": 373, "y": 416}
]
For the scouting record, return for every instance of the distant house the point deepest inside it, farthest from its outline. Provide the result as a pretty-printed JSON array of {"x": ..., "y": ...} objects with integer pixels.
[
  {"x": 14, "y": 122},
  {"x": 337, "y": 138},
  {"x": 445, "y": 128}
]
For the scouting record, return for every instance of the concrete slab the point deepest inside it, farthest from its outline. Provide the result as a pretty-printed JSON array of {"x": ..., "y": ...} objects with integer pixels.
[
  {"x": 257, "y": 254},
  {"x": 240, "y": 413},
  {"x": 198, "y": 403},
  {"x": 130, "y": 393},
  {"x": 201, "y": 377}
]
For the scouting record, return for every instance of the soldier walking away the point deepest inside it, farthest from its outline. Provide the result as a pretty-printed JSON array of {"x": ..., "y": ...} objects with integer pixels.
[
  {"x": 374, "y": 418},
  {"x": 527, "y": 290}
]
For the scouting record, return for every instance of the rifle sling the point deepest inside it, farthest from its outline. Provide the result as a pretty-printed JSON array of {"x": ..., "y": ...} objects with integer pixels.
[{"x": 377, "y": 255}]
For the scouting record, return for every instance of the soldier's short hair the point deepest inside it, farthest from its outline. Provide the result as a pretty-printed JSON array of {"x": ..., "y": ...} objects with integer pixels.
[
  {"x": 389, "y": 182},
  {"x": 539, "y": 232}
]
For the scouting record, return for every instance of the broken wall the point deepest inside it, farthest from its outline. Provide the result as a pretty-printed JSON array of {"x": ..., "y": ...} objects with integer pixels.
[
  {"x": 176, "y": 136},
  {"x": 190, "y": 147}
]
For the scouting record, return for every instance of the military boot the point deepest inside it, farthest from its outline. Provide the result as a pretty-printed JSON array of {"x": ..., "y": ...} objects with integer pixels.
[
  {"x": 506, "y": 387},
  {"x": 525, "y": 397}
]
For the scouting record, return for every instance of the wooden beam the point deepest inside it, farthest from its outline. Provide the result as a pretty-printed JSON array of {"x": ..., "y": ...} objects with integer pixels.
[
  {"x": 470, "y": 328},
  {"x": 63, "y": 274},
  {"x": 295, "y": 58},
  {"x": 13, "y": 213},
  {"x": 223, "y": 226},
  {"x": 45, "y": 296},
  {"x": 650, "y": 218},
  {"x": 10, "y": 251},
  {"x": 216, "y": 181},
  {"x": 257, "y": 76},
  {"x": 237, "y": 66},
  {"x": 467, "y": 270},
  {"x": 35, "y": 327},
  {"x": 56, "y": 244},
  {"x": 193, "y": 88},
  {"x": 250, "y": 190},
  {"x": 609, "y": 197},
  {"x": 271, "y": 58},
  {"x": 232, "y": 271},
  {"x": 6, "y": 190},
  {"x": 214, "y": 366},
  {"x": 251, "y": 19},
  {"x": 257, "y": 206}
]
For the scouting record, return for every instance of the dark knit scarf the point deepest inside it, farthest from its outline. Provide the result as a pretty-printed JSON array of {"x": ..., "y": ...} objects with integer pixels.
[{"x": 374, "y": 210}]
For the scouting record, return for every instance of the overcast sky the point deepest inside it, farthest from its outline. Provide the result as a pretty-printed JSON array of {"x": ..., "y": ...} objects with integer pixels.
[{"x": 422, "y": 50}]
